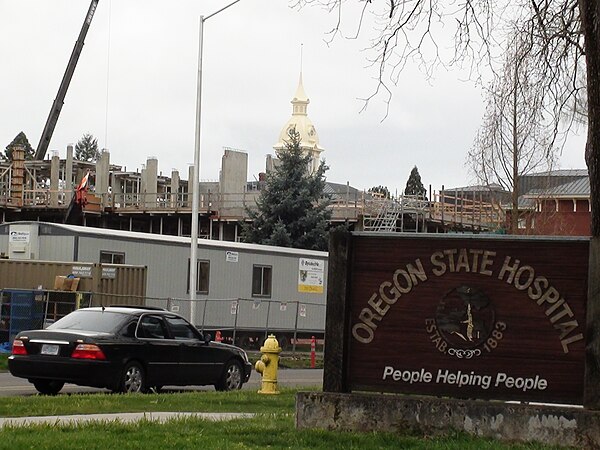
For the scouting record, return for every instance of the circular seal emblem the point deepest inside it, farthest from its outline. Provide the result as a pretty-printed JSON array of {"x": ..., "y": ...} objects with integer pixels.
[{"x": 465, "y": 317}]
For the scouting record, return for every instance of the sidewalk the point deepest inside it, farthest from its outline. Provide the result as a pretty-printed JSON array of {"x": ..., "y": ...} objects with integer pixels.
[{"x": 118, "y": 417}]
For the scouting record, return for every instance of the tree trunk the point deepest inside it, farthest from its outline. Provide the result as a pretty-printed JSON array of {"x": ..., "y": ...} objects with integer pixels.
[
  {"x": 589, "y": 11},
  {"x": 590, "y": 24}
]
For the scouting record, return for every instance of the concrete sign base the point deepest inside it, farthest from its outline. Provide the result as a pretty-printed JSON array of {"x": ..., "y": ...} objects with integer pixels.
[{"x": 553, "y": 425}]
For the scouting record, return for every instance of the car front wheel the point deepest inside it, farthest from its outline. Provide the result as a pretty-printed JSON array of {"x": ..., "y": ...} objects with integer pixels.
[
  {"x": 48, "y": 387},
  {"x": 231, "y": 379},
  {"x": 132, "y": 379}
]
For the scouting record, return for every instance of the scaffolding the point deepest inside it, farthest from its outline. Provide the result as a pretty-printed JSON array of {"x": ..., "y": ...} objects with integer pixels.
[{"x": 404, "y": 213}]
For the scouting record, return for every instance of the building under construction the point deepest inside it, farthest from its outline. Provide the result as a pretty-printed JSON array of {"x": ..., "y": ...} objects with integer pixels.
[{"x": 146, "y": 200}]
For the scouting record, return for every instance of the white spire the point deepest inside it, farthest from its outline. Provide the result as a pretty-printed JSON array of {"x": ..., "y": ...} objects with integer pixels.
[
  {"x": 309, "y": 139},
  {"x": 300, "y": 100}
]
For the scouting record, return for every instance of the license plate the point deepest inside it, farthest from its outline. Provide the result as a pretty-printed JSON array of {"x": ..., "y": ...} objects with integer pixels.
[{"x": 49, "y": 349}]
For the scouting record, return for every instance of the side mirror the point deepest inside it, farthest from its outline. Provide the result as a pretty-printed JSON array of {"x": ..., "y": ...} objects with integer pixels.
[{"x": 207, "y": 338}]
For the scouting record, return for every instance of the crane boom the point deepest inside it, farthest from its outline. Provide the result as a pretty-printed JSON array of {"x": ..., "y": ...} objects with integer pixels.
[{"x": 40, "y": 153}]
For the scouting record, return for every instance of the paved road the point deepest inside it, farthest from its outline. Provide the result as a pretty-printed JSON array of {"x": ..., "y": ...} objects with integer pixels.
[{"x": 11, "y": 386}]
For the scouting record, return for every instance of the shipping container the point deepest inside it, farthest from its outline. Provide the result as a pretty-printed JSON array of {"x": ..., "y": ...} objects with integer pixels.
[{"x": 109, "y": 283}]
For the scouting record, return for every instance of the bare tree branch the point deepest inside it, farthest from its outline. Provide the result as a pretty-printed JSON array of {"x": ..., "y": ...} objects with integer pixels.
[{"x": 564, "y": 35}]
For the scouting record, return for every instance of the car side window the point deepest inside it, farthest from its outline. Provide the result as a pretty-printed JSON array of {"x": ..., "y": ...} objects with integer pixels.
[
  {"x": 129, "y": 329},
  {"x": 181, "y": 329},
  {"x": 151, "y": 327}
]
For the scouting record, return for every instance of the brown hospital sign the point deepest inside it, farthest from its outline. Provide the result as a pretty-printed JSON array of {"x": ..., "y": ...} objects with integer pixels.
[{"x": 468, "y": 317}]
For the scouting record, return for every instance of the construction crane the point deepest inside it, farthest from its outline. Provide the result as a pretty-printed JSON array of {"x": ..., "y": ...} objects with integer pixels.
[{"x": 42, "y": 147}]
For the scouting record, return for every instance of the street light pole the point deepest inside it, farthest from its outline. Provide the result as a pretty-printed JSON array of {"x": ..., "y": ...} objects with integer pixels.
[{"x": 196, "y": 171}]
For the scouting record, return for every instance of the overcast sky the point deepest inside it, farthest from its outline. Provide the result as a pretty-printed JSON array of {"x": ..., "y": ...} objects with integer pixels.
[{"x": 135, "y": 90}]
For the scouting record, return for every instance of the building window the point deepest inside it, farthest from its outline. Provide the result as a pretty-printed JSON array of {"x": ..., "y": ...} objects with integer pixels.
[
  {"x": 261, "y": 281},
  {"x": 522, "y": 223},
  {"x": 112, "y": 257},
  {"x": 202, "y": 277}
]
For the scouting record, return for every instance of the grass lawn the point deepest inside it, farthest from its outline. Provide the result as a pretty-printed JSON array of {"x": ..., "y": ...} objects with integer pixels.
[
  {"x": 3, "y": 362},
  {"x": 268, "y": 431},
  {"x": 273, "y": 428},
  {"x": 192, "y": 401}
]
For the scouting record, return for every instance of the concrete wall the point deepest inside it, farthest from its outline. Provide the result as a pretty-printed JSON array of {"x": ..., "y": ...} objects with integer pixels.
[
  {"x": 102, "y": 171},
  {"x": 552, "y": 425},
  {"x": 175, "y": 198},
  {"x": 150, "y": 181},
  {"x": 54, "y": 177},
  {"x": 70, "y": 183},
  {"x": 234, "y": 172},
  {"x": 232, "y": 185}
]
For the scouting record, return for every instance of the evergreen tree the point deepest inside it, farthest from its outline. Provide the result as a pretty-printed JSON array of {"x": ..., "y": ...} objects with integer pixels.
[
  {"x": 280, "y": 236},
  {"x": 292, "y": 210},
  {"x": 414, "y": 186},
  {"x": 87, "y": 148},
  {"x": 20, "y": 139}
]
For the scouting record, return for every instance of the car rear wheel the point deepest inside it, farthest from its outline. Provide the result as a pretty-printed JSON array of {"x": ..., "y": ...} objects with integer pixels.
[
  {"x": 133, "y": 379},
  {"x": 48, "y": 387},
  {"x": 231, "y": 379}
]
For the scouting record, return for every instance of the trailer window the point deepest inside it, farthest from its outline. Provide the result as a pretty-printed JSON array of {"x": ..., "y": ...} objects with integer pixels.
[
  {"x": 112, "y": 257},
  {"x": 202, "y": 277},
  {"x": 261, "y": 281}
]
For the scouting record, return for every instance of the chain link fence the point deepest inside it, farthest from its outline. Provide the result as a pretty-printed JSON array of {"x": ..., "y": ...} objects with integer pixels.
[
  {"x": 248, "y": 322},
  {"x": 240, "y": 321}
]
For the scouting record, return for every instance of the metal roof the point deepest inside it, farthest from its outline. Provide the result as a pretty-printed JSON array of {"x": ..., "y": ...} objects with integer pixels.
[
  {"x": 524, "y": 203},
  {"x": 561, "y": 173},
  {"x": 576, "y": 188},
  {"x": 339, "y": 189},
  {"x": 479, "y": 187},
  {"x": 225, "y": 245},
  {"x": 579, "y": 188}
]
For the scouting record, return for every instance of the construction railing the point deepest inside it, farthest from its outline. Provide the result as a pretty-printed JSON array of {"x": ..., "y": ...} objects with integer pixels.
[
  {"x": 445, "y": 207},
  {"x": 461, "y": 210}
]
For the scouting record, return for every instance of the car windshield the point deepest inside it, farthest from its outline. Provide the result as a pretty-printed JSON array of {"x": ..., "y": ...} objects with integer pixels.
[{"x": 86, "y": 320}]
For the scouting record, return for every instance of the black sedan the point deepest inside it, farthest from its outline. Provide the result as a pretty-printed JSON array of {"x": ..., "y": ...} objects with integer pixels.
[{"x": 125, "y": 349}]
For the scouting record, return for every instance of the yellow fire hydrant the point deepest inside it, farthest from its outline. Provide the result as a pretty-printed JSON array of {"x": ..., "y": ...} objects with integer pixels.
[{"x": 268, "y": 365}]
